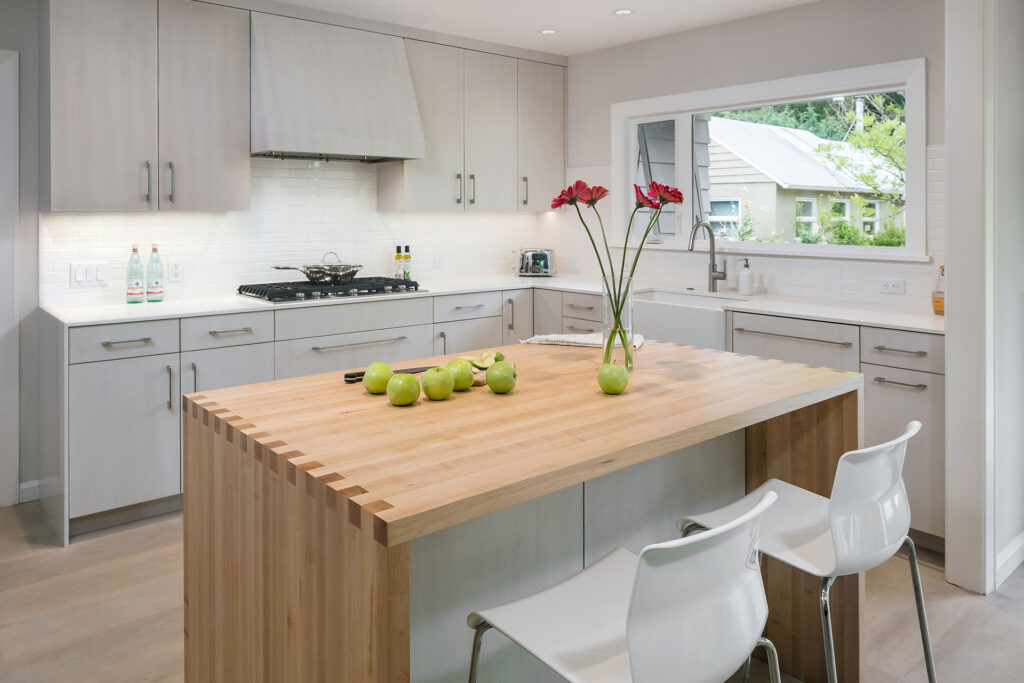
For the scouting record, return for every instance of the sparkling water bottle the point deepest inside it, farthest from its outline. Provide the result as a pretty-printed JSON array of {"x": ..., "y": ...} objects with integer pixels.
[
  {"x": 136, "y": 278},
  {"x": 155, "y": 277}
]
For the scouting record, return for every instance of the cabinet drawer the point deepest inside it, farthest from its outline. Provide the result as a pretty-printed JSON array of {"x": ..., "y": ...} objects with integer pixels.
[
  {"x": 299, "y": 357},
  {"x": 466, "y": 306},
  {"x": 216, "y": 331},
  {"x": 123, "y": 340},
  {"x": 899, "y": 349},
  {"x": 892, "y": 398},
  {"x": 211, "y": 369},
  {"x": 827, "y": 345},
  {"x": 579, "y": 326},
  {"x": 342, "y": 318},
  {"x": 460, "y": 336},
  {"x": 582, "y": 306}
]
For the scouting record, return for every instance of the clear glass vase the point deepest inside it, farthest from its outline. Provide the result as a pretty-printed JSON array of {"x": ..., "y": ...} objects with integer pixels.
[{"x": 618, "y": 322}]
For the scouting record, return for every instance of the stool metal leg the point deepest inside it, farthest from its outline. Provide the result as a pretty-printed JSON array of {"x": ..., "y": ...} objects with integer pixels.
[
  {"x": 475, "y": 659},
  {"x": 922, "y": 619},
  {"x": 826, "y": 629},
  {"x": 773, "y": 659},
  {"x": 746, "y": 670}
]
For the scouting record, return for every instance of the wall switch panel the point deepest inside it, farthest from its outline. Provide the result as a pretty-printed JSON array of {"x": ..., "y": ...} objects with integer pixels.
[
  {"x": 88, "y": 274},
  {"x": 177, "y": 271},
  {"x": 897, "y": 286},
  {"x": 438, "y": 259}
]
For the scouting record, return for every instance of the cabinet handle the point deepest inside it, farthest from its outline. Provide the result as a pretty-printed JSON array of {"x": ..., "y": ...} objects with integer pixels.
[
  {"x": 245, "y": 329},
  {"x": 922, "y": 354},
  {"x": 170, "y": 389},
  {"x": 140, "y": 340},
  {"x": 444, "y": 343},
  {"x": 170, "y": 165},
  {"x": 472, "y": 189},
  {"x": 512, "y": 317},
  {"x": 458, "y": 188},
  {"x": 526, "y": 190},
  {"x": 195, "y": 378},
  {"x": 149, "y": 182},
  {"x": 469, "y": 308},
  {"x": 919, "y": 387},
  {"x": 844, "y": 344},
  {"x": 580, "y": 329},
  {"x": 582, "y": 308},
  {"x": 318, "y": 349}
]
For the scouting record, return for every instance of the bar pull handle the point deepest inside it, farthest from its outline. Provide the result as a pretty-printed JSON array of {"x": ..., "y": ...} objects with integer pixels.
[
  {"x": 170, "y": 196},
  {"x": 149, "y": 182},
  {"x": 526, "y": 190},
  {"x": 170, "y": 388},
  {"x": 919, "y": 387},
  {"x": 318, "y": 349},
  {"x": 582, "y": 308},
  {"x": 512, "y": 317},
  {"x": 580, "y": 329},
  {"x": 889, "y": 349},
  {"x": 195, "y": 378},
  {"x": 472, "y": 188},
  {"x": 140, "y": 340},
  {"x": 469, "y": 308},
  {"x": 444, "y": 343},
  {"x": 245, "y": 329},
  {"x": 458, "y": 188},
  {"x": 844, "y": 344}
]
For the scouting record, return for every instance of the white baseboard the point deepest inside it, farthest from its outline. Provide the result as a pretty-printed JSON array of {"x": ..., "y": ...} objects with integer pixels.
[
  {"x": 29, "y": 491},
  {"x": 1009, "y": 558}
]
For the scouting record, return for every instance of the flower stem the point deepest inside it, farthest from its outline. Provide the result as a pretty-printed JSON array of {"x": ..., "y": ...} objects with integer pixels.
[
  {"x": 597, "y": 253},
  {"x": 608, "y": 251}
]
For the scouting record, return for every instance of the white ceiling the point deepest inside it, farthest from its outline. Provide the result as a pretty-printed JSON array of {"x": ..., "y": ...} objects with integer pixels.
[{"x": 582, "y": 25}]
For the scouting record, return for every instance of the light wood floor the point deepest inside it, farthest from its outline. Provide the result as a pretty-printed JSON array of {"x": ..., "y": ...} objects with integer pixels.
[{"x": 108, "y": 609}]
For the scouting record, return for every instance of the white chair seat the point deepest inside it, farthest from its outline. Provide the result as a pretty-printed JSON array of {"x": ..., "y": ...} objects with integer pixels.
[
  {"x": 795, "y": 530},
  {"x": 577, "y": 627}
]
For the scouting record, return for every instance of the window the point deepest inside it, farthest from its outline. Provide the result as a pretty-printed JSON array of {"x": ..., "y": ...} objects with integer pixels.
[{"x": 832, "y": 174}]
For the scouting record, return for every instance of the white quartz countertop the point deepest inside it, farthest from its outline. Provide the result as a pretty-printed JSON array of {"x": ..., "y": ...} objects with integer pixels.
[{"x": 811, "y": 309}]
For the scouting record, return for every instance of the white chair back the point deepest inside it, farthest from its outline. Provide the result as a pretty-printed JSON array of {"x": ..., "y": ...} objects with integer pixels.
[
  {"x": 698, "y": 605},
  {"x": 868, "y": 511}
]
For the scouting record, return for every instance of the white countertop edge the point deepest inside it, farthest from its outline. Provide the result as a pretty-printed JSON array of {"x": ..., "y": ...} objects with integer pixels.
[{"x": 843, "y": 313}]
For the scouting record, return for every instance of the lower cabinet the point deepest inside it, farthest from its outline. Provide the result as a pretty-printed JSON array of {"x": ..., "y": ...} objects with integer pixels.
[
  {"x": 124, "y": 436},
  {"x": 579, "y": 326},
  {"x": 811, "y": 342},
  {"x": 467, "y": 335},
  {"x": 230, "y": 366},
  {"x": 516, "y": 316},
  {"x": 313, "y": 355},
  {"x": 547, "y": 311}
]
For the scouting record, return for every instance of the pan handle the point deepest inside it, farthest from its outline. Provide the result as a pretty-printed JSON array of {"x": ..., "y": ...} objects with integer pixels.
[{"x": 288, "y": 268}]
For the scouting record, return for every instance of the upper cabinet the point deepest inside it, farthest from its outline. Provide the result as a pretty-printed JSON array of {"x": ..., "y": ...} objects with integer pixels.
[
  {"x": 541, "y": 124},
  {"x": 148, "y": 107},
  {"x": 494, "y": 128}
]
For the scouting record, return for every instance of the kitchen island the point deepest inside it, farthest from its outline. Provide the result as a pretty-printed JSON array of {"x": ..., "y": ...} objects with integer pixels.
[{"x": 332, "y": 536}]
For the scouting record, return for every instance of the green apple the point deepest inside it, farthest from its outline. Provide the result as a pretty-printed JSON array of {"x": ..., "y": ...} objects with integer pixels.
[
  {"x": 612, "y": 378},
  {"x": 438, "y": 383},
  {"x": 462, "y": 373},
  {"x": 501, "y": 377},
  {"x": 403, "y": 389},
  {"x": 375, "y": 378}
]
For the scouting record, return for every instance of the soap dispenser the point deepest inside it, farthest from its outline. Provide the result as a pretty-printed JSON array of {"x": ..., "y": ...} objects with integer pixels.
[{"x": 746, "y": 279}]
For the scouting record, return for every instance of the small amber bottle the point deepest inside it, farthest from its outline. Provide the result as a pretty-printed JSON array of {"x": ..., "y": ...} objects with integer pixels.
[{"x": 939, "y": 293}]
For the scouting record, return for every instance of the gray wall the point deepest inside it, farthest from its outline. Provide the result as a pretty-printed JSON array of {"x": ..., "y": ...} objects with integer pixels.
[
  {"x": 19, "y": 31},
  {"x": 827, "y": 35}
]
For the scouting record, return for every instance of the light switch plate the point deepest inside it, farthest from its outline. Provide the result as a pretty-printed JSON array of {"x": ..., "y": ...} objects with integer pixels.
[
  {"x": 177, "y": 271},
  {"x": 88, "y": 274},
  {"x": 896, "y": 286}
]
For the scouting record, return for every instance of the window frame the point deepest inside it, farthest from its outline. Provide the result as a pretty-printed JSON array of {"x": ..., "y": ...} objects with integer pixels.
[
  {"x": 875, "y": 220},
  {"x": 737, "y": 218},
  {"x": 907, "y": 76},
  {"x": 846, "y": 208}
]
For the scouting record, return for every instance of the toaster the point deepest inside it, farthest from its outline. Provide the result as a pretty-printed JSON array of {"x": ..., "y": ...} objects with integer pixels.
[{"x": 536, "y": 263}]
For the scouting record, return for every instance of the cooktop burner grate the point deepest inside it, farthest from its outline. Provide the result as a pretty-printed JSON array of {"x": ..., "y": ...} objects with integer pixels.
[{"x": 304, "y": 290}]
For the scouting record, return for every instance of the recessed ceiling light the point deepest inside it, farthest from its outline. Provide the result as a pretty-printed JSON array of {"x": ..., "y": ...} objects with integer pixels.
[
  {"x": 623, "y": 12},
  {"x": 548, "y": 31}
]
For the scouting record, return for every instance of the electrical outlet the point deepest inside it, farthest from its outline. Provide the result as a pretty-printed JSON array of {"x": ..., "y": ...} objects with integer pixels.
[
  {"x": 177, "y": 273},
  {"x": 897, "y": 286},
  {"x": 438, "y": 259},
  {"x": 88, "y": 274}
]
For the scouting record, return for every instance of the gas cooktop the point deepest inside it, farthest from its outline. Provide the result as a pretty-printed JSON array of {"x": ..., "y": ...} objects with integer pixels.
[{"x": 279, "y": 292}]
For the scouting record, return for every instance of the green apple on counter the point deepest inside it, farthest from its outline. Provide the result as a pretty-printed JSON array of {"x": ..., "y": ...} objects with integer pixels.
[
  {"x": 438, "y": 383},
  {"x": 612, "y": 378},
  {"x": 462, "y": 373},
  {"x": 375, "y": 377},
  {"x": 403, "y": 389},
  {"x": 501, "y": 377}
]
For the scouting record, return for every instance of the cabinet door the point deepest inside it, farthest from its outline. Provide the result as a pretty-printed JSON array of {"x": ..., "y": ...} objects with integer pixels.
[
  {"x": 300, "y": 357},
  {"x": 888, "y": 407},
  {"x": 826, "y": 345},
  {"x": 437, "y": 182},
  {"x": 204, "y": 107},
  {"x": 517, "y": 316},
  {"x": 541, "y": 134},
  {"x": 230, "y": 366},
  {"x": 103, "y": 105},
  {"x": 124, "y": 438},
  {"x": 490, "y": 132},
  {"x": 460, "y": 336},
  {"x": 547, "y": 311}
]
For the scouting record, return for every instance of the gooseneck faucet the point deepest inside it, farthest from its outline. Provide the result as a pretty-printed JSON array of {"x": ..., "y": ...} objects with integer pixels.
[{"x": 714, "y": 275}]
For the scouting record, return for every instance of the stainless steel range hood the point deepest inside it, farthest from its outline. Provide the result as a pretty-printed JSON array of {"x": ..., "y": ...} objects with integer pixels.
[{"x": 323, "y": 91}]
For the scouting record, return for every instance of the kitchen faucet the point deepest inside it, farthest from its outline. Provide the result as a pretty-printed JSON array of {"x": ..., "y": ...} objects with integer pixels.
[{"x": 714, "y": 275}]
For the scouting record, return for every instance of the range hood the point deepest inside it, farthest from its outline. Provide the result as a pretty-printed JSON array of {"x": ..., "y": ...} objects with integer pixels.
[{"x": 324, "y": 91}]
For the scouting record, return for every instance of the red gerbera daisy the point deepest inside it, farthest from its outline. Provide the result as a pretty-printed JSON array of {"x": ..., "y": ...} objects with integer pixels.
[
  {"x": 569, "y": 195},
  {"x": 591, "y": 195},
  {"x": 665, "y": 194},
  {"x": 643, "y": 200}
]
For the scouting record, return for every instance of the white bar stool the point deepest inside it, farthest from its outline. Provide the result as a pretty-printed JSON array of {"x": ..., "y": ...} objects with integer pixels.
[
  {"x": 689, "y": 610},
  {"x": 863, "y": 524}
]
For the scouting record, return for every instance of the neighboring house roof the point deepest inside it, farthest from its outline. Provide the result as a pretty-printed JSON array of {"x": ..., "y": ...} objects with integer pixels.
[{"x": 790, "y": 156}]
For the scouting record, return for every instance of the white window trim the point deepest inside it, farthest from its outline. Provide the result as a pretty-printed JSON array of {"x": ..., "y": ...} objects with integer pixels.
[
  {"x": 875, "y": 220},
  {"x": 846, "y": 211},
  {"x": 907, "y": 75},
  {"x": 813, "y": 218}
]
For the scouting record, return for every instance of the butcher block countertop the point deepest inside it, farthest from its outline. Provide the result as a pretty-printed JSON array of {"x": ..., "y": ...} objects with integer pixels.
[{"x": 432, "y": 465}]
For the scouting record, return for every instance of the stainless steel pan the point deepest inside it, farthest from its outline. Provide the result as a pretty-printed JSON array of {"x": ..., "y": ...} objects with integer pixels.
[{"x": 326, "y": 273}]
